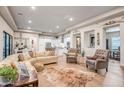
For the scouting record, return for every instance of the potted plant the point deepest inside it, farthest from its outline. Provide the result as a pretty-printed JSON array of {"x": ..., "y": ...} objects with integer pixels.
[{"x": 8, "y": 73}]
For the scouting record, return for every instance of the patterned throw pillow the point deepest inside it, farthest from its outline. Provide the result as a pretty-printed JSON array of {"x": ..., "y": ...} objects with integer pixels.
[
  {"x": 21, "y": 57},
  {"x": 24, "y": 57},
  {"x": 32, "y": 54},
  {"x": 22, "y": 70}
]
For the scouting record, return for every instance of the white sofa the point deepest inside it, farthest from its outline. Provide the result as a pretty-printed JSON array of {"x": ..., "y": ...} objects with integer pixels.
[{"x": 44, "y": 57}]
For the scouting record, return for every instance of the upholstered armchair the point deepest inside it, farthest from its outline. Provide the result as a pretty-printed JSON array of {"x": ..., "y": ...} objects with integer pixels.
[
  {"x": 99, "y": 60},
  {"x": 71, "y": 56}
]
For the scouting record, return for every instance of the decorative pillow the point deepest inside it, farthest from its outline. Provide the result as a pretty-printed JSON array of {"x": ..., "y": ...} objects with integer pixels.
[
  {"x": 95, "y": 57},
  {"x": 101, "y": 57},
  {"x": 22, "y": 70},
  {"x": 21, "y": 57},
  {"x": 32, "y": 54},
  {"x": 24, "y": 57}
]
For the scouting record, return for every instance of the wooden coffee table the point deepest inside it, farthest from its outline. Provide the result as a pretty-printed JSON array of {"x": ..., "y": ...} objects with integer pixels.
[{"x": 31, "y": 81}]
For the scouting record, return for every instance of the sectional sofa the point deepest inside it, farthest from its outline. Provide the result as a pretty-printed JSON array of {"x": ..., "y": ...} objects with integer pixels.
[
  {"x": 45, "y": 57},
  {"x": 29, "y": 59}
]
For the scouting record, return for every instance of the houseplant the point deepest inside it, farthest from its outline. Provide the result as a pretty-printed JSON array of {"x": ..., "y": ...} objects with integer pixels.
[{"x": 9, "y": 73}]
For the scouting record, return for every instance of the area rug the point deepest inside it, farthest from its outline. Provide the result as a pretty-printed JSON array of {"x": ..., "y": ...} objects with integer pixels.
[{"x": 67, "y": 77}]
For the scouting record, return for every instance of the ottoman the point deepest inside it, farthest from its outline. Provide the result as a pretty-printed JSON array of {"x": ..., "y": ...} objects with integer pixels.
[{"x": 39, "y": 66}]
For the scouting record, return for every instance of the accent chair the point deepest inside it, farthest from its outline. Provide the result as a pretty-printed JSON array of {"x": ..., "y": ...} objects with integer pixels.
[
  {"x": 71, "y": 56},
  {"x": 99, "y": 60}
]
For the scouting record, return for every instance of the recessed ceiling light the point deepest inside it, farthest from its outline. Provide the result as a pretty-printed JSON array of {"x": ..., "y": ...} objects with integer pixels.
[
  {"x": 33, "y": 7},
  {"x": 71, "y": 19},
  {"x": 50, "y": 30},
  {"x": 29, "y": 21},
  {"x": 57, "y": 27},
  {"x": 28, "y": 27}
]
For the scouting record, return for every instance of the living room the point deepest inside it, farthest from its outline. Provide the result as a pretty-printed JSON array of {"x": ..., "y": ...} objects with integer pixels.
[{"x": 64, "y": 46}]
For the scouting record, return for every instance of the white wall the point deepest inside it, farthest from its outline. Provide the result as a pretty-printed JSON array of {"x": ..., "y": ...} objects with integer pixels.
[
  {"x": 98, "y": 28},
  {"x": 122, "y": 43},
  {"x": 4, "y": 27},
  {"x": 39, "y": 40},
  {"x": 44, "y": 39},
  {"x": 30, "y": 37}
]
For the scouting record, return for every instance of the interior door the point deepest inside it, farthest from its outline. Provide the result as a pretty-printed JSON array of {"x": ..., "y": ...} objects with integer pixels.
[{"x": 7, "y": 44}]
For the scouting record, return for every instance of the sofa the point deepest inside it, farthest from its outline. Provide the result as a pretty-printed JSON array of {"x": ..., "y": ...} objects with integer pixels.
[{"x": 45, "y": 57}]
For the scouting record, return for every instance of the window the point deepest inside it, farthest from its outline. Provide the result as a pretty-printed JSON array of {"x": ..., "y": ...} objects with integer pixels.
[
  {"x": 7, "y": 44},
  {"x": 115, "y": 43}
]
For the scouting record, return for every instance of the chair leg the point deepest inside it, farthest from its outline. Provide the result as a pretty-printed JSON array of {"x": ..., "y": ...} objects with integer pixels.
[
  {"x": 96, "y": 70},
  {"x": 106, "y": 69},
  {"x": 86, "y": 65}
]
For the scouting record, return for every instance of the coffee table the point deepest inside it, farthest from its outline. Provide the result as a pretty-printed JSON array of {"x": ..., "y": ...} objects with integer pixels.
[{"x": 32, "y": 80}]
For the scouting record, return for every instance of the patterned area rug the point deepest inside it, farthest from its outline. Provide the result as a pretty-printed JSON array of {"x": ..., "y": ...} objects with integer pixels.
[{"x": 67, "y": 77}]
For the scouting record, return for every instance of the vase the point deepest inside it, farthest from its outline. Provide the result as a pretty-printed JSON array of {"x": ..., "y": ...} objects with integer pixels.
[{"x": 4, "y": 81}]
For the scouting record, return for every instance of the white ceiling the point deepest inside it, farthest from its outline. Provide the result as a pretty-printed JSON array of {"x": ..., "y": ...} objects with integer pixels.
[{"x": 46, "y": 18}]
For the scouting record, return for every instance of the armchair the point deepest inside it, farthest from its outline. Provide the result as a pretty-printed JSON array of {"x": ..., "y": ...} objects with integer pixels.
[
  {"x": 71, "y": 56},
  {"x": 99, "y": 60}
]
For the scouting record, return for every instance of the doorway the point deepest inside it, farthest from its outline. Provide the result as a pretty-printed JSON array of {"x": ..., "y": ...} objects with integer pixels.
[
  {"x": 7, "y": 44},
  {"x": 113, "y": 42},
  {"x": 78, "y": 43}
]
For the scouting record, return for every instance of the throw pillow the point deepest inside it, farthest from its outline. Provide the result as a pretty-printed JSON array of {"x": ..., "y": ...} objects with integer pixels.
[
  {"x": 101, "y": 57},
  {"x": 95, "y": 57},
  {"x": 32, "y": 54},
  {"x": 20, "y": 57},
  {"x": 22, "y": 70}
]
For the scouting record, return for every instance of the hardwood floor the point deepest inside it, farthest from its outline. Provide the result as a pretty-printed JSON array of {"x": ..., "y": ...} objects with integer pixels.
[{"x": 113, "y": 78}]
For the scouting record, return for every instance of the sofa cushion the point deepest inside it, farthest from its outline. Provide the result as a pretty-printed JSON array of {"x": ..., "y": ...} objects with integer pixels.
[
  {"x": 92, "y": 62},
  {"x": 32, "y": 54},
  {"x": 49, "y": 53},
  {"x": 24, "y": 56},
  {"x": 27, "y": 56},
  {"x": 4, "y": 64},
  {"x": 39, "y": 54},
  {"x": 32, "y": 60}
]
